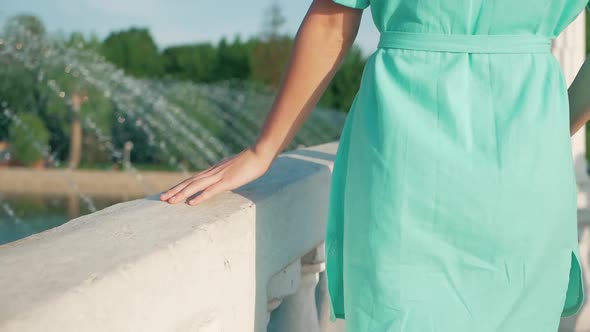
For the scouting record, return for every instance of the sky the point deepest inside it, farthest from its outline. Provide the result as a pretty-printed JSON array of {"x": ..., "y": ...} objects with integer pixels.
[{"x": 172, "y": 22}]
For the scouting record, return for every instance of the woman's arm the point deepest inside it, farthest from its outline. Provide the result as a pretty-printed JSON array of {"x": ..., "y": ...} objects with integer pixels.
[
  {"x": 322, "y": 40},
  {"x": 579, "y": 98}
]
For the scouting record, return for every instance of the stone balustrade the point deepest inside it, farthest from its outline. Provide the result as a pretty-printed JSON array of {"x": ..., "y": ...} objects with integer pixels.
[{"x": 247, "y": 260}]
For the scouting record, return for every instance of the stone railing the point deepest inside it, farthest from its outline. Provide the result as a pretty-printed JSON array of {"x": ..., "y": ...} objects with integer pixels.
[{"x": 248, "y": 260}]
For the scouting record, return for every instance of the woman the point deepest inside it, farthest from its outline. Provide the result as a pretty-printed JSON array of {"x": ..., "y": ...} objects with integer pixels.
[{"x": 453, "y": 198}]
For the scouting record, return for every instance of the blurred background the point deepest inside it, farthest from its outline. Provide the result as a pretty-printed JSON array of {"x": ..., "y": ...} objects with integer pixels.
[{"x": 107, "y": 101}]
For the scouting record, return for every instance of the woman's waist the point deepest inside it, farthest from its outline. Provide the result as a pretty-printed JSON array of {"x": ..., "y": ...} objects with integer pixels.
[{"x": 465, "y": 43}]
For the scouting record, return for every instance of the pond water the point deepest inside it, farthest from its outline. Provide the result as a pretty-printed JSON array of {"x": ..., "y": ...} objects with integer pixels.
[{"x": 23, "y": 215}]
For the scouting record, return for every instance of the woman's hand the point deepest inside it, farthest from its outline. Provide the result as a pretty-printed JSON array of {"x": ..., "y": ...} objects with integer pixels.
[
  {"x": 321, "y": 43},
  {"x": 228, "y": 174}
]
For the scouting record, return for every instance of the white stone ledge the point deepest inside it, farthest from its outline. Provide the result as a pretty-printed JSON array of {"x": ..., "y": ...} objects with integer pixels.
[{"x": 145, "y": 265}]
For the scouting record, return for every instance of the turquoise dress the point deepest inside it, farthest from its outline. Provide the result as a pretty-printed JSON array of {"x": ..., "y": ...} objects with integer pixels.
[{"x": 453, "y": 197}]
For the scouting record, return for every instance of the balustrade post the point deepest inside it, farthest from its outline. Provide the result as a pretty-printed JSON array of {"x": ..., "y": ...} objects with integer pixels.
[{"x": 298, "y": 311}]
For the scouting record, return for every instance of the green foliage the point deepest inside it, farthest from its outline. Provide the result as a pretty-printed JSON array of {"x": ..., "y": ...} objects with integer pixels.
[
  {"x": 18, "y": 90},
  {"x": 23, "y": 89},
  {"x": 233, "y": 60},
  {"x": 191, "y": 62},
  {"x": 29, "y": 138},
  {"x": 259, "y": 61},
  {"x": 128, "y": 128},
  {"x": 271, "y": 52},
  {"x": 24, "y": 25},
  {"x": 346, "y": 82},
  {"x": 18, "y": 84},
  {"x": 135, "y": 51},
  {"x": 269, "y": 60},
  {"x": 78, "y": 40}
]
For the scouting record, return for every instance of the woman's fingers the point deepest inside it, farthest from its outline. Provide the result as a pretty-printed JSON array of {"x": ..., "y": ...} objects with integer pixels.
[
  {"x": 172, "y": 191},
  {"x": 193, "y": 187},
  {"x": 225, "y": 175},
  {"x": 214, "y": 169},
  {"x": 210, "y": 191}
]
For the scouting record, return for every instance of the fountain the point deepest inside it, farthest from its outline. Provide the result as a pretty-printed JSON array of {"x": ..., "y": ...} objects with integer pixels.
[{"x": 187, "y": 126}]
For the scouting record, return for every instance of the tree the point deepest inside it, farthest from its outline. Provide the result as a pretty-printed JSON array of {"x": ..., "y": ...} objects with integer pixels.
[
  {"x": 24, "y": 26},
  {"x": 134, "y": 51},
  {"x": 273, "y": 22},
  {"x": 346, "y": 82},
  {"x": 233, "y": 60},
  {"x": 18, "y": 83},
  {"x": 193, "y": 62},
  {"x": 271, "y": 53},
  {"x": 79, "y": 41},
  {"x": 29, "y": 138}
]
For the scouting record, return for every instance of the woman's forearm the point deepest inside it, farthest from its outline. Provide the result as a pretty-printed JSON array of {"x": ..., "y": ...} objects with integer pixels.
[
  {"x": 322, "y": 40},
  {"x": 579, "y": 98}
]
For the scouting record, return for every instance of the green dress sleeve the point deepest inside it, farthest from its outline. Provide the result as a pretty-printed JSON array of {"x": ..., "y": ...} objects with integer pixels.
[{"x": 360, "y": 4}]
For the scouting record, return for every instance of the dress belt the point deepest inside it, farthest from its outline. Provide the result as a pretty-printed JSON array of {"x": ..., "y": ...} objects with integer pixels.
[{"x": 465, "y": 43}]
